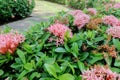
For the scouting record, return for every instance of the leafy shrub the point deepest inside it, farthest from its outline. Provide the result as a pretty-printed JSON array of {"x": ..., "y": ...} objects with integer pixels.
[
  {"x": 81, "y": 4},
  {"x": 10, "y": 9},
  {"x": 38, "y": 57}
]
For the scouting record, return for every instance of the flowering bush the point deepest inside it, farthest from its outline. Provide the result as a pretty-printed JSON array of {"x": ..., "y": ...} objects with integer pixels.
[
  {"x": 9, "y": 42},
  {"x": 59, "y": 30},
  {"x": 92, "y": 11},
  {"x": 80, "y": 18},
  {"x": 110, "y": 20},
  {"x": 100, "y": 73},
  {"x": 114, "y": 31},
  {"x": 117, "y": 5},
  {"x": 97, "y": 42}
]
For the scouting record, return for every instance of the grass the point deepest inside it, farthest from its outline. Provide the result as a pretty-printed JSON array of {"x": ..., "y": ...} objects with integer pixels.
[{"x": 118, "y": 0}]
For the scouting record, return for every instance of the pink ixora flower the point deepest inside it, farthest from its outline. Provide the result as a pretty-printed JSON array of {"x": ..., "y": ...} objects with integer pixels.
[
  {"x": 92, "y": 11},
  {"x": 59, "y": 30},
  {"x": 80, "y": 18},
  {"x": 116, "y": 6},
  {"x": 110, "y": 20},
  {"x": 99, "y": 73},
  {"x": 75, "y": 12},
  {"x": 10, "y": 41},
  {"x": 114, "y": 31}
]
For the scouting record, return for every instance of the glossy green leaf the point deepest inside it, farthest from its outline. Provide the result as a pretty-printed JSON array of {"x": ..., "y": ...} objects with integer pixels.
[
  {"x": 28, "y": 66},
  {"x": 47, "y": 79},
  {"x": 51, "y": 69},
  {"x": 79, "y": 78},
  {"x": 27, "y": 47},
  {"x": 66, "y": 76},
  {"x": 43, "y": 39},
  {"x": 71, "y": 67},
  {"x": 75, "y": 38},
  {"x": 114, "y": 69},
  {"x": 95, "y": 57},
  {"x": 116, "y": 43},
  {"x": 1, "y": 72},
  {"x": 81, "y": 66},
  {"x": 22, "y": 74},
  {"x": 16, "y": 65},
  {"x": 49, "y": 60},
  {"x": 84, "y": 55},
  {"x": 67, "y": 47},
  {"x": 21, "y": 54},
  {"x": 60, "y": 50},
  {"x": 97, "y": 39},
  {"x": 57, "y": 67},
  {"x": 108, "y": 59},
  {"x": 117, "y": 62},
  {"x": 35, "y": 74},
  {"x": 75, "y": 49}
]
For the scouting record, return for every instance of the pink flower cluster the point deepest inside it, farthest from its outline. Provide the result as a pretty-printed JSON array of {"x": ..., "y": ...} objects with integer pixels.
[
  {"x": 92, "y": 11},
  {"x": 75, "y": 12},
  {"x": 114, "y": 31},
  {"x": 111, "y": 20},
  {"x": 59, "y": 30},
  {"x": 10, "y": 41},
  {"x": 116, "y": 6},
  {"x": 80, "y": 19},
  {"x": 100, "y": 73}
]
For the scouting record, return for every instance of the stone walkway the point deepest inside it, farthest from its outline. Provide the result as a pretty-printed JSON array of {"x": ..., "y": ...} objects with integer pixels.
[{"x": 42, "y": 11}]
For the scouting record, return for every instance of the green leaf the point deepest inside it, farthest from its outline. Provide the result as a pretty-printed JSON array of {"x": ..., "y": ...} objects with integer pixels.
[
  {"x": 75, "y": 49},
  {"x": 89, "y": 43},
  {"x": 57, "y": 67},
  {"x": 117, "y": 62},
  {"x": 28, "y": 66},
  {"x": 116, "y": 43},
  {"x": 74, "y": 38},
  {"x": 80, "y": 43},
  {"x": 47, "y": 79},
  {"x": 39, "y": 62},
  {"x": 95, "y": 57},
  {"x": 35, "y": 74},
  {"x": 97, "y": 39},
  {"x": 43, "y": 39},
  {"x": 49, "y": 60},
  {"x": 16, "y": 65},
  {"x": 73, "y": 71},
  {"x": 81, "y": 66},
  {"x": 108, "y": 59},
  {"x": 27, "y": 47},
  {"x": 66, "y": 47},
  {"x": 21, "y": 54},
  {"x": 60, "y": 50},
  {"x": 84, "y": 55},
  {"x": 1, "y": 72},
  {"x": 3, "y": 61},
  {"x": 79, "y": 78},
  {"x": 114, "y": 69},
  {"x": 51, "y": 69},
  {"x": 22, "y": 75},
  {"x": 66, "y": 76}
]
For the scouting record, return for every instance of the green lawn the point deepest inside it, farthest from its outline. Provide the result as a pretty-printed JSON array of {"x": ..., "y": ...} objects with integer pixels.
[{"x": 118, "y": 0}]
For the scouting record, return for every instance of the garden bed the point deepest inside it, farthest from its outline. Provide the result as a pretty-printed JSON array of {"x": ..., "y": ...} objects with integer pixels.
[{"x": 76, "y": 45}]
